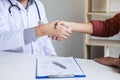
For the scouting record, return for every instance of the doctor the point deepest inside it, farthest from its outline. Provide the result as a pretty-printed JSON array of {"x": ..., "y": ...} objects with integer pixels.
[{"x": 24, "y": 28}]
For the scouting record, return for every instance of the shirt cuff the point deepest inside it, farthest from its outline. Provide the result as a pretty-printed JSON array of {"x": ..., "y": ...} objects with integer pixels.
[{"x": 29, "y": 35}]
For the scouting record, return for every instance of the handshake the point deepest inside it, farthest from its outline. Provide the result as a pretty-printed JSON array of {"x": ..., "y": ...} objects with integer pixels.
[
  {"x": 61, "y": 30},
  {"x": 57, "y": 30}
]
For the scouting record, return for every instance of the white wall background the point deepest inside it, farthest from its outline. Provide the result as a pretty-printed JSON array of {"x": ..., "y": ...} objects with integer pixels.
[
  {"x": 114, "y": 6},
  {"x": 70, "y": 10}
]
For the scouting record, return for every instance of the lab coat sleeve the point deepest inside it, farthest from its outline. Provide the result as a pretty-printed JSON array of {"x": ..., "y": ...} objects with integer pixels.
[{"x": 29, "y": 35}]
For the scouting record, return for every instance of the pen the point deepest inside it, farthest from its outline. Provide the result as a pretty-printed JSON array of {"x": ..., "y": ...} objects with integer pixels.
[
  {"x": 61, "y": 76},
  {"x": 60, "y": 65}
]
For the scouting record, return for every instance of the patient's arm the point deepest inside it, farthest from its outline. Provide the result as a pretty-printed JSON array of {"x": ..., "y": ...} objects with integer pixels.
[{"x": 109, "y": 61}]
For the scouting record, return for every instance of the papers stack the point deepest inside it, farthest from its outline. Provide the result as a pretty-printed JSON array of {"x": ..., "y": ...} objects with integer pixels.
[{"x": 58, "y": 67}]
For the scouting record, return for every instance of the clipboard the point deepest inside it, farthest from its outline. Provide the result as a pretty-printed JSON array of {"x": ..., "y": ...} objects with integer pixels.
[{"x": 45, "y": 68}]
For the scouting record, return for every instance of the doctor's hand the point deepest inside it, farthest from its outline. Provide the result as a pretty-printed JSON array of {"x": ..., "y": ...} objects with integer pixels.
[
  {"x": 53, "y": 29},
  {"x": 68, "y": 30}
]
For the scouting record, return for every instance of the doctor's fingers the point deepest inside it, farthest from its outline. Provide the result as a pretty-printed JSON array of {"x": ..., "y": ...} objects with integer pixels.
[{"x": 59, "y": 38}]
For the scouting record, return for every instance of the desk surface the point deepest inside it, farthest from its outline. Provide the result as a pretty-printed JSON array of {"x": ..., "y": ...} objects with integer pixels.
[{"x": 22, "y": 67}]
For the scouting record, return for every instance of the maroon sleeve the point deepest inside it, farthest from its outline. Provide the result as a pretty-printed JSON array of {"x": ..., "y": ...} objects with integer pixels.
[{"x": 106, "y": 28}]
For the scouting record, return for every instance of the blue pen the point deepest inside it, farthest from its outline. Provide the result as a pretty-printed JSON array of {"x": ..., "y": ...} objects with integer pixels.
[{"x": 60, "y": 65}]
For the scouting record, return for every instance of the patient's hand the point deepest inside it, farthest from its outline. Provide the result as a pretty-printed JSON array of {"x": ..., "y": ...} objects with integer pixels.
[
  {"x": 109, "y": 61},
  {"x": 67, "y": 29},
  {"x": 66, "y": 24}
]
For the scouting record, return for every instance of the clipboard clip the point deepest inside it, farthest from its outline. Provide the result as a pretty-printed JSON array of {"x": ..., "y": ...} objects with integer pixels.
[{"x": 61, "y": 76}]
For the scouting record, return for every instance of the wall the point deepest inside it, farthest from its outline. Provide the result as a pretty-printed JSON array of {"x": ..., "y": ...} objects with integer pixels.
[
  {"x": 70, "y": 10},
  {"x": 114, "y": 6},
  {"x": 73, "y": 10}
]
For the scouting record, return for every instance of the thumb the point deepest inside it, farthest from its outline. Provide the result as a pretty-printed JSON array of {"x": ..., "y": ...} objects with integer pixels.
[{"x": 55, "y": 23}]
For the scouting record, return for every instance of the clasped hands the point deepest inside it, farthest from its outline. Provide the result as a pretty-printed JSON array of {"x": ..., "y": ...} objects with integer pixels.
[
  {"x": 57, "y": 30},
  {"x": 60, "y": 31}
]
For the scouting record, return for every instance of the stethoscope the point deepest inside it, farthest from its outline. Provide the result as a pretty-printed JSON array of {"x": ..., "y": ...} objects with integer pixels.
[{"x": 12, "y": 5}]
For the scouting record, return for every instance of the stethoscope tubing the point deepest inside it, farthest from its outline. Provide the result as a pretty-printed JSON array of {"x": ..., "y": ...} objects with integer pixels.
[{"x": 12, "y": 5}]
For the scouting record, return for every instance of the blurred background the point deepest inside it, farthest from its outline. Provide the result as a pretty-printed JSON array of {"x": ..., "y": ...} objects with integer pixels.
[{"x": 73, "y": 10}]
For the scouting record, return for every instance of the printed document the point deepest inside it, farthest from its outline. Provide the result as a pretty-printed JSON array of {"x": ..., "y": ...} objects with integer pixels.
[{"x": 58, "y": 67}]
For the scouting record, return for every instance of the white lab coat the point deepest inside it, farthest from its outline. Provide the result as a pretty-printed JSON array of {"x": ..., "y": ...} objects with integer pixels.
[{"x": 12, "y": 29}]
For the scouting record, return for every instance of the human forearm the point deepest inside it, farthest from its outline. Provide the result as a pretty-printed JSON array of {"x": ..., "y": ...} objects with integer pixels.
[
  {"x": 79, "y": 27},
  {"x": 109, "y": 61},
  {"x": 82, "y": 27},
  {"x": 39, "y": 31},
  {"x": 52, "y": 29},
  {"x": 116, "y": 62}
]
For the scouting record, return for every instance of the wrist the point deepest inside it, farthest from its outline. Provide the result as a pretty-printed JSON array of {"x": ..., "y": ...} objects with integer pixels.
[
  {"x": 74, "y": 26},
  {"x": 39, "y": 30},
  {"x": 116, "y": 62},
  {"x": 86, "y": 28}
]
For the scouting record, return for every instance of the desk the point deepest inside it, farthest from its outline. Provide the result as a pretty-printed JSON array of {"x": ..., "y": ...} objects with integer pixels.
[{"x": 22, "y": 67}]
